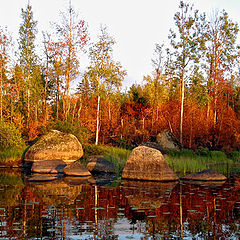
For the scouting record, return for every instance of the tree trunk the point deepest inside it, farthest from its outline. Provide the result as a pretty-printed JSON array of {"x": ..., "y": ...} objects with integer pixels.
[
  {"x": 109, "y": 111},
  {"x": 181, "y": 117},
  {"x": 121, "y": 128},
  {"x": 45, "y": 95},
  {"x": 1, "y": 93},
  {"x": 79, "y": 111},
  {"x": 152, "y": 124},
  {"x": 57, "y": 100},
  {"x": 98, "y": 115},
  {"x": 28, "y": 103}
]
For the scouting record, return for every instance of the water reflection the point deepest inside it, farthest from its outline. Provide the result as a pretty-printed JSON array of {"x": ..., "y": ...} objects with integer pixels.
[{"x": 77, "y": 208}]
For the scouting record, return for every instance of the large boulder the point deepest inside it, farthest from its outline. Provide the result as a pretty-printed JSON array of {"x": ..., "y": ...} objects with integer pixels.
[
  {"x": 146, "y": 163},
  {"x": 154, "y": 145},
  {"x": 100, "y": 165},
  {"x": 205, "y": 175},
  {"x": 55, "y": 146},
  {"x": 53, "y": 166},
  {"x": 76, "y": 169},
  {"x": 168, "y": 141}
]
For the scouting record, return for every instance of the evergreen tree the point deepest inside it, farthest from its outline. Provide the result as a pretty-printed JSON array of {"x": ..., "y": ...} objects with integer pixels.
[
  {"x": 5, "y": 43},
  {"x": 27, "y": 56}
]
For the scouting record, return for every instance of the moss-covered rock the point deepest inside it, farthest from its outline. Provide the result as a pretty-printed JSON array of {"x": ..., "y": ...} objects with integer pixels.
[{"x": 55, "y": 146}]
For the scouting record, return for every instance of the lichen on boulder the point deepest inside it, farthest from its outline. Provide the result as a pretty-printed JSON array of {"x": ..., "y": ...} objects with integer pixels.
[
  {"x": 145, "y": 163},
  {"x": 55, "y": 145}
]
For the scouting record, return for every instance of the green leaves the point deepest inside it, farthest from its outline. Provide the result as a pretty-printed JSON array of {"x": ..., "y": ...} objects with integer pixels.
[
  {"x": 27, "y": 35},
  {"x": 10, "y": 137},
  {"x": 104, "y": 73}
]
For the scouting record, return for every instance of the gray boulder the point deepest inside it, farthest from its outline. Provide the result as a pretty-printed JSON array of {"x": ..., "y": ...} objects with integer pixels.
[
  {"x": 205, "y": 175},
  {"x": 168, "y": 141},
  {"x": 53, "y": 166},
  {"x": 98, "y": 164},
  {"x": 76, "y": 169},
  {"x": 146, "y": 163},
  {"x": 55, "y": 146}
]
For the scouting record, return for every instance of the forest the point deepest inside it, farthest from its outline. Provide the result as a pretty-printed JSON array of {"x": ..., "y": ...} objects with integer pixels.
[{"x": 193, "y": 89}]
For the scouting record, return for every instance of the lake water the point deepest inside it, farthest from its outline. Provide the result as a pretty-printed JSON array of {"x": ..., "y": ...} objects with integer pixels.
[{"x": 101, "y": 208}]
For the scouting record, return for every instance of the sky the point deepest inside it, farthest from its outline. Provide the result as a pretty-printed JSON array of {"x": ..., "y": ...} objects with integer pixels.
[{"x": 136, "y": 25}]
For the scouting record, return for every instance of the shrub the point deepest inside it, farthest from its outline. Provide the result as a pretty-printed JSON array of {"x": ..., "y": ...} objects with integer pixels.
[
  {"x": 10, "y": 137},
  {"x": 186, "y": 153},
  {"x": 172, "y": 153},
  {"x": 80, "y": 132},
  {"x": 235, "y": 156},
  {"x": 205, "y": 152},
  {"x": 118, "y": 156},
  {"x": 218, "y": 155}
]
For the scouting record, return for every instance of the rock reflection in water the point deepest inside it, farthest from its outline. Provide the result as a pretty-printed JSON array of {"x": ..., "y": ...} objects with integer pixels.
[
  {"x": 80, "y": 208},
  {"x": 55, "y": 193},
  {"x": 143, "y": 195}
]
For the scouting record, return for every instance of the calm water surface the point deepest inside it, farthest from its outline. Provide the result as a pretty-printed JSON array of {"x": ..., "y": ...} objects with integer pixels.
[{"x": 75, "y": 208}]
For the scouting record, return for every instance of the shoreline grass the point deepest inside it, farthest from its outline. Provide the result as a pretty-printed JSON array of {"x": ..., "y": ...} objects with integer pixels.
[
  {"x": 118, "y": 156},
  {"x": 187, "y": 161},
  {"x": 11, "y": 155},
  {"x": 182, "y": 162}
]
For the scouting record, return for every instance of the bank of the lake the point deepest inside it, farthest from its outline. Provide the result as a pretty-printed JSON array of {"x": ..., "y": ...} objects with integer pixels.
[
  {"x": 182, "y": 162},
  {"x": 12, "y": 157}
]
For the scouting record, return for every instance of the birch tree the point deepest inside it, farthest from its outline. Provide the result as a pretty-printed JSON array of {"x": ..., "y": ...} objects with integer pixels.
[
  {"x": 104, "y": 74},
  {"x": 185, "y": 42},
  {"x": 221, "y": 51},
  {"x": 72, "y": 37}
]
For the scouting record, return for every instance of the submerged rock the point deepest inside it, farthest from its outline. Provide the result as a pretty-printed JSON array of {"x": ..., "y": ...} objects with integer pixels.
[
  {"x": 168, "y": 141},
  {"x": 76, "y": 169},
  {"x": 55, "y": 146},
  {"x": 41, "y": 178},
  {"x": 146, "y": 163},
  {"x": 205, "y": 175},
  {"x": 53, "y": 166},
  {"x": 100, "y": 165}
]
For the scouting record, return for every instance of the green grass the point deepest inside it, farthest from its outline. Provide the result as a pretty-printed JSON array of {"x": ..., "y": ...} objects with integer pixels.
[
  {"x": 118, "y": 156},
  {"x": 11, "y": 155},
  {"x": 187, "y": 161},
  {"x": 182, "y": 162}
]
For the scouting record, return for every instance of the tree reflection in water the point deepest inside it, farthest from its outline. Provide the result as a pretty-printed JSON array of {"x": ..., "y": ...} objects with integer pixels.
[{"x": 86, "y": 209}]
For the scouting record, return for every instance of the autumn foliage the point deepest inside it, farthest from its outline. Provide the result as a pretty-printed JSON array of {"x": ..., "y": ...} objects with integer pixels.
[{"x": 195, "y": 86}]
